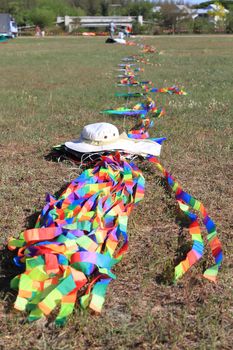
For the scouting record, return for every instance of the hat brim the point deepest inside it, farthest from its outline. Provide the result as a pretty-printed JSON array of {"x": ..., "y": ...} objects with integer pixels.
[{"x": 137, "y": 147}]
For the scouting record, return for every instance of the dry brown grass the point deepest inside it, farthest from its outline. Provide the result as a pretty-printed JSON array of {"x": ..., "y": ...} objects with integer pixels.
[{"x": 49, "y": 89}]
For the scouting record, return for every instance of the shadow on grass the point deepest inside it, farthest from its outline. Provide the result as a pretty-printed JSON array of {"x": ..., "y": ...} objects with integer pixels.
[
  {"x": 31, "y": 220},
  {"x": 75, "y": 158},
  {"x": 8, "y": 270},
  {"x": 62, "y": 155},
  {"x": 56, "y": 156}
]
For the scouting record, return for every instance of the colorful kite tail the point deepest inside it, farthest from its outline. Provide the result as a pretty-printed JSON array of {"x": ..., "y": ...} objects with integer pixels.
[
  {"x": 187, "y": 202},
  {"x": 78, "y": 238}
]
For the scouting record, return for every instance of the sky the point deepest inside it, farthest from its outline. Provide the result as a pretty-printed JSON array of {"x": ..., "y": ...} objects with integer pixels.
[{"x": 195, "y": 1}]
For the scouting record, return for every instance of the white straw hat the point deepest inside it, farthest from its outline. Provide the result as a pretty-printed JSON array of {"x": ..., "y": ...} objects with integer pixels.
[{"x": 101, "y": 137}]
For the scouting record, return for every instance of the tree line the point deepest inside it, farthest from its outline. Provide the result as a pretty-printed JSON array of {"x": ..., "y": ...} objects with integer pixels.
[{"x": 44, "y": 13}]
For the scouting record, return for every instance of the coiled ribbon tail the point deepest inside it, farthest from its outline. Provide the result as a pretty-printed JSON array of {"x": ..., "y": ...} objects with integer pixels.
[
  {"x": 186, "y": 201},
  {"x": 77, "y": 240}
]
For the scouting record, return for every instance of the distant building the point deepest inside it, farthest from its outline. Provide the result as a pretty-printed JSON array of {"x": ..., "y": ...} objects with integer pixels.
[
  {"x": 182, "y": 11},
  {"x": 156, "y": 9},
  {"x": 187, "y": 11},
  {"x": 71, "y": 22},
  {"x": 206, "y": 13}
]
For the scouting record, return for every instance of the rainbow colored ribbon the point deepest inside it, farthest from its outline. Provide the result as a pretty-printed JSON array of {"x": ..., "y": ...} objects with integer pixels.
[
  {"x": 185, "y": 202},
  {"x": 75, "y": 242}
]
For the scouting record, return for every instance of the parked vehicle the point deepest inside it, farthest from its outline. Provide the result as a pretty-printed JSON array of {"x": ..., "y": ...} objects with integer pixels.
[{"x": 8, "y": 26}]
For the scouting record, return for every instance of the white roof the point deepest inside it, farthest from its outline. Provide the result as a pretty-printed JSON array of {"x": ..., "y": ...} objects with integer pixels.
[{"x": 215, "y": 7}]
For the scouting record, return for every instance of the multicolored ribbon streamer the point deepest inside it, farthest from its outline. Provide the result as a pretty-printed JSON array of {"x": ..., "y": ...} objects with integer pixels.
[
  {"x": 130, "y": 81},
  {"x": 75, "y": 242},
  {"x": 140, "y": 131},
  {"x": 150, "y": 106},
  {"x": 148, "y": 49},
  {"x": 169, "y": 90},
  {"x": 125, "y": 111},
  {"x": 186, "y": 201},
  {"x": 125, "y": 65}
]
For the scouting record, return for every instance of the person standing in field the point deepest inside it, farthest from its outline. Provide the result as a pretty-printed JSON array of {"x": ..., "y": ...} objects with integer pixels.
[
  {"x": 128, "y": 30},
  {"x": 112, "y": 28},
  {"x": 37, "y": 31}
]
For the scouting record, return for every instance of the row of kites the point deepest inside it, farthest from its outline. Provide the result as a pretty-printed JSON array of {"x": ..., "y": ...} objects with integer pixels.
[{"x": 68, "y": 257}]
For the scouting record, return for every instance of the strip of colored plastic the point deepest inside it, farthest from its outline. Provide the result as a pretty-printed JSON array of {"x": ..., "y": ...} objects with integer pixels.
[
  {"x": 125, "y": 111},
  {"x": 186, "y": 202},
  {"x": 169, "y": 90},
  {"x": 76, "y": 241}
]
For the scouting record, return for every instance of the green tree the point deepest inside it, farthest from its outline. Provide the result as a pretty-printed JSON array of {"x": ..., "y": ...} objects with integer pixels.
[
  {"x": 58, "y": 7},
  {"x": 42, "y": 17},
  {"x": 104, "y": 5},
  {"x": 185, "y": 25},
  {"x": 170, "y": 15},
  {"x": 143, "y": 8},
  {"x": 91, "y": 7},
  {"x": 94, "y": 7},
  {"x": 219, "y": 16},
  {"x": 229, "y": 22},
  {"x": 226, "y": 3},
  {"x": 40, "y": 11},
  {"x": 203, "y": 26}
]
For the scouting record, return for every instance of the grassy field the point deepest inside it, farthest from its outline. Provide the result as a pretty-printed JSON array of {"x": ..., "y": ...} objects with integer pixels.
[{"x": 50, "y": 88}]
